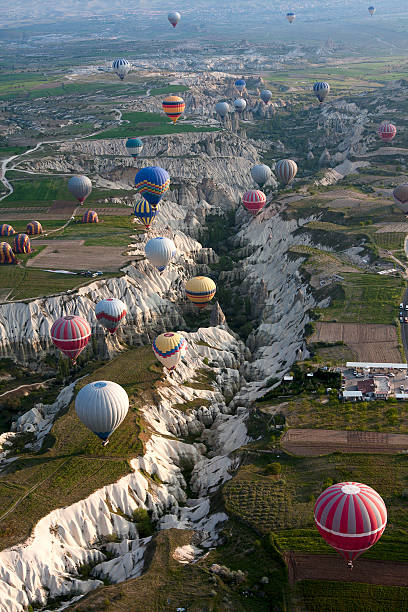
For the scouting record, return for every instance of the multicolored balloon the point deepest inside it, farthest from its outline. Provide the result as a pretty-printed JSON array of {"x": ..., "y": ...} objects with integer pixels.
[
  {"x": 21, "y": 244},
  {"x": 159, "y": 251},
  {"x": 6, "y": 230},
  {"x": 261, "y": 173},
  {"x": 110, "y": 313},
  {"x": 145, "y": 212},
  {"x": 173, "y": 107},
  {"x": 200, "y": 290},
  {"x": 184, "y": 347},
  {"x": 134, "y": 147},
  {"x": 222, "y": 108},
  {"x": 351, "y": 517},
  {"x": 102, "y": 406},
  {"x": 6, "y": 254},
  {"x": 174, "y": 17},
  {"x": 290, "y": 17},
  {"x": 387, "y": 131},
  {"x": 240, "y": 105},
  {"x": 71, "y": 335},
  {"x": 80, "y": 187},
  {"x": 371, "y": 10},
  {"x": 286, "y": 170},
  {"x": 321, "y": 90},
  {"x": 400, "y": 195},
  {"x": 152, "y": 182},
  {"x": 240, "y": 84},
  {"x": 168, "y": 348},
  {"x": 266, "y": 96},
  {"x": 121, "y": 67},
  {"x": 254, "y": 200},
  {"x": 34, "y": 228},
  {"x": 91, "y": 216}
]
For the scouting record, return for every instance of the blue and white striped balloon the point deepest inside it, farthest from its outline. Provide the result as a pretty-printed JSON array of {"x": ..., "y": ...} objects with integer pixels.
[
  {"x": 159, "y": 251},
  {"x": 321, "y": 90}
]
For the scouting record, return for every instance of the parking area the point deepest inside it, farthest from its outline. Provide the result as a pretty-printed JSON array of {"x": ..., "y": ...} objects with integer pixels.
[{"x": 374, "y": 381}]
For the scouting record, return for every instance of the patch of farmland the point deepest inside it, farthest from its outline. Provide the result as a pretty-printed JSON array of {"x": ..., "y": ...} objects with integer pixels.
[
  {"x": 73, "y": 255},
  {"x": 399, "y": 228}
]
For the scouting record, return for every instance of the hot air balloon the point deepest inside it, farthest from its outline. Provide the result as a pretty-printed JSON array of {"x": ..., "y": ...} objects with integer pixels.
[
  {"x": 152, "y": 182},
  {"x": 286, "y": 170},
  {"x": 387, "y": 131},
  {"x": 6, "y": 230},
  {"x": 134, "y": 147},
  {"x": 240, "y": 84},
  {"x": 121, "y": 67},
  {"x": 254, "y": 200},
  {"x": 321, "y": 90},
  {"x": 145, "y": 212},
  {"x": 240, "y": 105},
  {"x": 400, "y": 195},
  {"x": 21, "y": 244},
  {"x": 168, "y": 348},
  {"x": 91, "y": 216},
  {"x": 290, "y": 17},
  {"x": 222, "y": 108},
  {"x": 174, "y": 18},
  {"x": 6, "y": 254},
  {"x": 200, "y": 290},
  {"x": 261, "y": 174},
  {"x": 173, "y": 107},
  {"x": 34, "y": 228},
  {"x": 266, "y": 96},
  {"x": 102, "y": 406},
  {"x": 80, "y": 187},
  {"x": 159, "y": 251},
  {"x": 71, "y": 335},
  {"x": 351, "y": 517},
  {"x": 371, "y": 10},
  {"x": 110, "y": 312}
]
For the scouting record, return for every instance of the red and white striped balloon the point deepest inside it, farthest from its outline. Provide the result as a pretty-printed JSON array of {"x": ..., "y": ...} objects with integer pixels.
[
  {"x": 254, "y": 200},
  {"x": 110, "y": 312},
  {"x": 351, "y": 517},
  {"x": 71, "y": 335},
  {"x": 387, "y": 131}
]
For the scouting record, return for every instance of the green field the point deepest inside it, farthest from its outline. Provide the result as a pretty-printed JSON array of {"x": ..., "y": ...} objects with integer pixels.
[
  {"x": 365, "y": 298},
  {"x": 149, "y": 124},
  {"x": 36, "y": 89}
]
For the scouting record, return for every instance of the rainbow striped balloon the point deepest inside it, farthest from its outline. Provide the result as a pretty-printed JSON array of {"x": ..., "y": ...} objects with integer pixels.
[
  {"x": 6, "y": 254},
  {"x": 169, "y": 349},
  {"x": 145, "y": 212},
  {"x": 173, "y": 107},
  {"x": 6, "y": 230},
  {"x": 22, "y": 244},
  {"x": 152, "y": 183},
  {"x": 34, "y": 228},
  {"x": 90, "y": 217}
]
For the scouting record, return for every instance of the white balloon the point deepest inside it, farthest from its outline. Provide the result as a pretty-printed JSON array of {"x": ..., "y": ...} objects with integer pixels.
[{"x": 159, "y": 251}]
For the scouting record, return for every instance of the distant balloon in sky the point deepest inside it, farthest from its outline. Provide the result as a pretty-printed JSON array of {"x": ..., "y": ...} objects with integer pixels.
[
  {"x": 110, "y": 313},
  {"x": 80, "y": 187},
  {"x": 174, "y": 17},
  {"x": 261, "y": 173},
  {"x": 134, "y": 147},
  {"x": 371, "y": 10},
  {"x": 152, "y": 183},
  {"x": 321, "y": 90},
  {"x": 222, "y": 108},
  {"x": 387, "y": 131},
  {"x": 266, "y": 96},
  {"x": 290, "y": 17},
  {"x": 254, "y": 200},
  {"x": 169, "y": 349},
  {"x": 286, "y": 170},
  {"x": 102, "y": 406},
  {"x": 400, "y": 195},
  {"x": 240, "y": 105},
  {"x": 71, "y": 334},
  {"x": 240, "y": 84},
  {"x": 121, "y": 67},
  {"x": 159, "y": 251},
  {"x": 173, "y": 107}
]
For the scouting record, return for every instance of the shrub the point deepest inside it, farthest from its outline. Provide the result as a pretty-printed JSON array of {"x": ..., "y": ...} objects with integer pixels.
[{"x": 273, "y": 468}]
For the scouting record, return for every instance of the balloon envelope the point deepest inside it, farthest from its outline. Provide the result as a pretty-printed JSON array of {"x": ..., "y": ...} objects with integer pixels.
[
  {"x": 254, "y": 200},
  {"x": 110, "y": 313},
  {"x": 134, "y": 146},
  {"x": 261, "y": 173},
  {"x": 145, "y": 212},
  {"x": 240, "y": 105},
  {"x": 174, "y": 17},
  {"x": 173, "y": 107},
  {"x": 266, "y": 95},
  {"x": 222, "y": 108},
  {"x": 351, "y": 517},
  {"x": 121, "y": 67},
  {"x": 6, "y": 254},
  {"x": 290, "y": 17},
  {"x": 6, "y": 230},
  {"x": 80, "y": 186},
  {"x": 387, "y": 131},
  {"x": 240, "y": 84},
  {"x": 102, "y": 406},
  {"x": 159, "y": 251},
  {"x": 286, "y": 170},
  {"x": 371, "y": 10},
  {"x": 152, "y": 182},
  {"x": 200, "y": 290},
  {"x": 168, "y": 348},
  {"x": 34, "y": 228},
  {"x": 321, "y": 90},
  {"x": 71, "y": 335},
  {"x": 91, "y": 216},
  {"x": 400, "y": 195},
  {"x": 21, "y": 244}
]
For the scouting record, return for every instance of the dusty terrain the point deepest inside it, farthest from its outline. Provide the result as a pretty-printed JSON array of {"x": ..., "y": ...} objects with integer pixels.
[{"x": 73, "y": 255}]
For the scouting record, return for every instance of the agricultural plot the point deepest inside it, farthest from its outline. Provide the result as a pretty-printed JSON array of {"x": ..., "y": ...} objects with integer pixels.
[
  {"x": 74, "y": 255},
  {"x": 315, "y": 442},
  {"x": 375, "y": 343}
]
